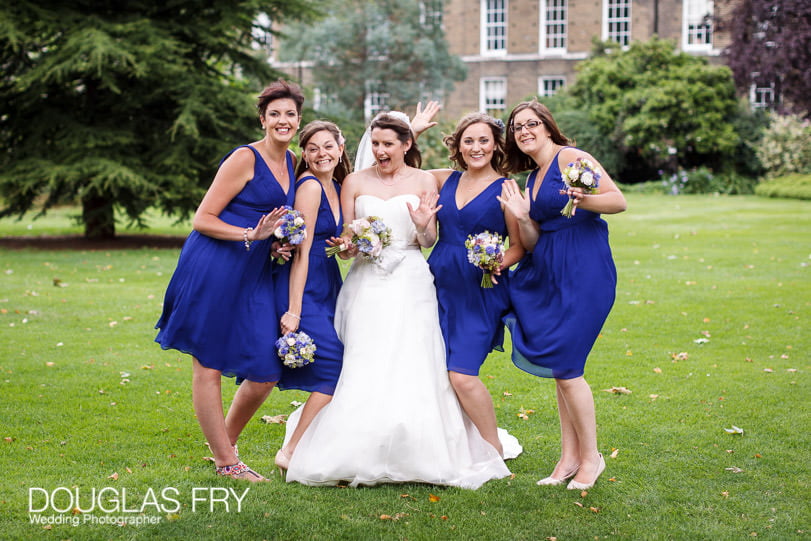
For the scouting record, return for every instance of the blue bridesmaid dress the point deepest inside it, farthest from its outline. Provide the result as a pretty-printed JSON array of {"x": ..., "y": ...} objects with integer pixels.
[
  {"x": 470, "y": 316},
  {"x": 219, "y": 305},
  {"x": 318, "y": 307},
  {"x": 562, "y": 291}
]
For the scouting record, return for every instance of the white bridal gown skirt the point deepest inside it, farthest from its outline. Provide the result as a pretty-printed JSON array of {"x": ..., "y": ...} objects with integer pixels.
[{"x": 394, "y": 416}]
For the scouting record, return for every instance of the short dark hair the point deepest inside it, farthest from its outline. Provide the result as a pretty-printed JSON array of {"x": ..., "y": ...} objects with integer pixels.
[{"x": 278, "y": 90}]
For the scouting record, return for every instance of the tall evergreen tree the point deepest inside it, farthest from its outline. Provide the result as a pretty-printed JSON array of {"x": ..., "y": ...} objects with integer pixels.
[
  {"x": 126, "y": 105},
  {"x": 392, "y": 48}
]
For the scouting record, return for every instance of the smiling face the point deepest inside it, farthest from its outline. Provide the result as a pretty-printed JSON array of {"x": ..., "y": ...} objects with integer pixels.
[
  {"x": 529, "y": 131},
  {"x": 476, "y": 145},
  {"x": 281, "y": 120},
  {"x": 388, "y": 150},
  {"x": 322, "y": 151}
]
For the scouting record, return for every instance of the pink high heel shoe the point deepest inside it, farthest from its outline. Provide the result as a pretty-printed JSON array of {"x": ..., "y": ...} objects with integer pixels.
[
  {"x": 554, "y": 481},
  {"x": 574, "y": 485}
]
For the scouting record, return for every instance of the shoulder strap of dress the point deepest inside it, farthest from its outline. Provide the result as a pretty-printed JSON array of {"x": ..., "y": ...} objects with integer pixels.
[
  {"x": 303, "y": 179},
  {"x": 255, "y": 152}
]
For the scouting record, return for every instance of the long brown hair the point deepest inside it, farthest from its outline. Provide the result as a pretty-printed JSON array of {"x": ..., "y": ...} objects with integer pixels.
[
  {"x": 517, "y": 161},
  {"x": 344, "y": 167},
  {"x": 499, "y": 160},
  {"x": 384, "y": 121}
]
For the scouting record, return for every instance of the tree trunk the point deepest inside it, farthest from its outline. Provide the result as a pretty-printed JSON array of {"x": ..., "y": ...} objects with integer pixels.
[{"x": 98, "y": 218}]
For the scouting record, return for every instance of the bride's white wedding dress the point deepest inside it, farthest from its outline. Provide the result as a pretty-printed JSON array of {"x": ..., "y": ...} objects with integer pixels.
[{"x": 394, "y": 416}]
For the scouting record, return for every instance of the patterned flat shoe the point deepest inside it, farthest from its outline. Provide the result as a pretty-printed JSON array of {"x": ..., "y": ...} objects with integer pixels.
[{"x": 239, "y": 471}]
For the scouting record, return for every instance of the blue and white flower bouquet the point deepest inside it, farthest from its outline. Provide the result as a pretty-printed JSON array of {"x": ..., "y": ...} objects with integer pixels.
[
  {"x": 486, "y": 251},
  {"x": 296, "y": 349},
  {"x": 292, "y": 230},
  {"x": 581, "y": 173},
  {"x": 369, "y": 235}
]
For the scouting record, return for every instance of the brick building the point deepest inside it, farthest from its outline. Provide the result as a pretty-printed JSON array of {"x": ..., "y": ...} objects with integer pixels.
[
  {"x": 514, "y": 49},
  {"x": 517, "y": 48}
]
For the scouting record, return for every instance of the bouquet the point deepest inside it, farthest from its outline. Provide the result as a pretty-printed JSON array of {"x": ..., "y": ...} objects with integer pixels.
[
  {"x": 581, "y": 173},
  {"x": 292, "y": 229},
  {"x": 369, "y": 234},
  {"x": 486, "y": 251},
  {"x": 296, "y": 349}
]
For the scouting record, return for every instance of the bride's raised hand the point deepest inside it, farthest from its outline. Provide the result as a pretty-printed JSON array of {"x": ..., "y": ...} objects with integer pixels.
[
  {"x": 425, "y": 211},
  {"x": 514, "y": 200},
  {"x": 424, "y": 118}
]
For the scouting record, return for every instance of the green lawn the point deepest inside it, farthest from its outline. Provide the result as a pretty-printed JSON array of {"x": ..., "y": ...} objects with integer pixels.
[{"x": 709, "y": 331}]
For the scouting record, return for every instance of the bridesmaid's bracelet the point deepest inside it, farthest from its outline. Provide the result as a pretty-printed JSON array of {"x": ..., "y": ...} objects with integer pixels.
[
  {"x": 245, "y": 239},
  {"x": 293, "y": 315}
]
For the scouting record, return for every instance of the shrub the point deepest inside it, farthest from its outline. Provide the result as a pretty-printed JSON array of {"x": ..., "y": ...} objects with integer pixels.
[
  {"x": 786, "y": 146},
  {"x": 794, "y": 186},
  {"x": 704, "y": 180}
]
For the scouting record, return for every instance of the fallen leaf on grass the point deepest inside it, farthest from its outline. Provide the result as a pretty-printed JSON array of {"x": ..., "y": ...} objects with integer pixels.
[
  {"x": 594, "y": 509},
  {"x": 274, "y": 419},
  {"x": 701, "y": 340},
  {"x": 614, "y": 453},
  {"x": 768, "y": 370},
  {"x": 525, "y": 413},
  {"x": 433, "y": 498},
  {"x": 578, "y": 504},
  {"x": 734, "y": 469},
  {"x": 114, "y": 476},
  {"x": 618, "y": 390},
  {"x": 734, "y": 430},
  {"x": 725, "y": 494},
  {"x": 657, "y": 370}
]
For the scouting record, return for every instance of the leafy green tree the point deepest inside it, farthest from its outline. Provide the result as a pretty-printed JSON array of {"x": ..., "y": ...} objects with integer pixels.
[
  {"x": 390, "y": 47},
  {"x": 662, "y": 108},
  {"x": 126, "y": 105}
]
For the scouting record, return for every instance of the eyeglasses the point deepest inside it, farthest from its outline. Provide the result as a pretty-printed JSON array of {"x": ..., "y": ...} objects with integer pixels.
[{"x": 529, "y": 124}]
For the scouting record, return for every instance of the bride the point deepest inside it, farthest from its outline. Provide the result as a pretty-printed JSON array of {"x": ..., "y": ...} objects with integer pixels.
[{"x": 394, "y": 416}]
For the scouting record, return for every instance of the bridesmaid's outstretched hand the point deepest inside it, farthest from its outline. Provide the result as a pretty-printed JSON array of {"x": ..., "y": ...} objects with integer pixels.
[{"x": 515, "y": 201}]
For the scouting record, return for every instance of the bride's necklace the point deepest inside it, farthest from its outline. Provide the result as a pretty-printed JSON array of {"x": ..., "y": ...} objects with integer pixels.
[{"x": 389, "y": 183}]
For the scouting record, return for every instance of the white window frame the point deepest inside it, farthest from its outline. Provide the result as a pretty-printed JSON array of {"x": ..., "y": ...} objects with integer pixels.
[
  {"x": 432, "y": 13},
  {"x": 488, "y": 92},
  {"x": 486, "y": 25},
  {"x": 608, "y": 34},
  {"x": 555, "y": 6},
  {"x": 757, "y": 94},
  {"x": 560, "y": 81},
  {"x": 374, "y": 100},
  {"x": 691, "y": 30}
]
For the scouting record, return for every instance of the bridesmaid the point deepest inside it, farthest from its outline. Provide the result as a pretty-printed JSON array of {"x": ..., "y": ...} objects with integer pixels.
[
  {"x": 315, "y": 279},
  {"x": 563, "y": 290},
  {"x": 470, "y": 315},
  {"x": 219, "y": 305}
]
